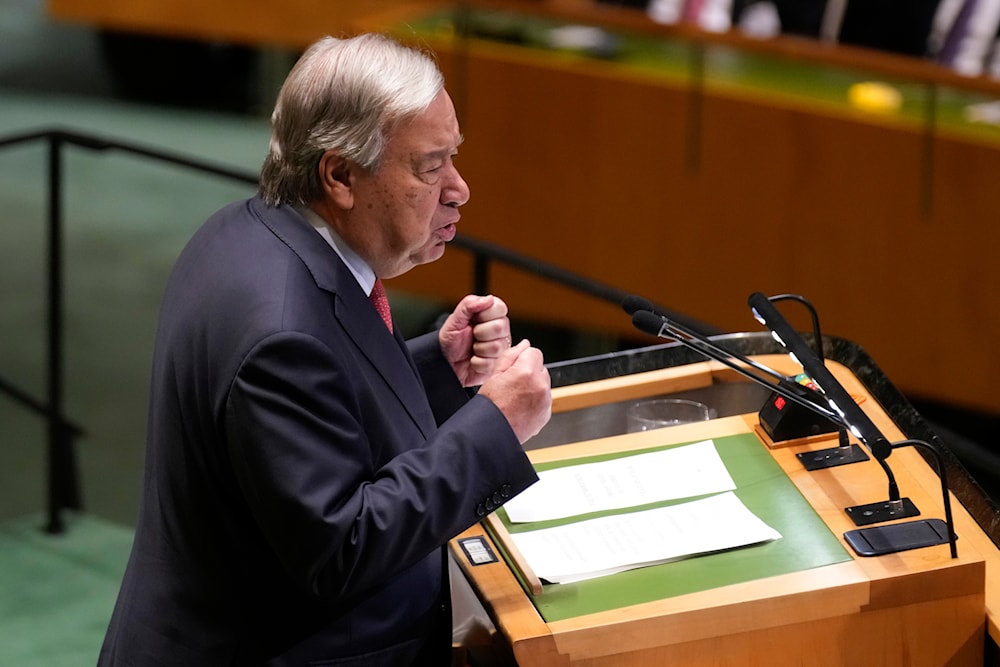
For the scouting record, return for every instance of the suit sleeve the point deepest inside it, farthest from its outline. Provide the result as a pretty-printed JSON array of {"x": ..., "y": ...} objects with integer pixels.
[
  {"x": 444, "y": 391},
  {"x": 346, "y": 490}
]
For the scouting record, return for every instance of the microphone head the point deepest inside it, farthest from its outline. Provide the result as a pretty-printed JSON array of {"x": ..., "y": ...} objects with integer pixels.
[
  {"x": 756, "y": 299},
  {"x": 647, "y": 322},
  {"x": 633, "y": 303},
  {"x": 758, "y": 302}
]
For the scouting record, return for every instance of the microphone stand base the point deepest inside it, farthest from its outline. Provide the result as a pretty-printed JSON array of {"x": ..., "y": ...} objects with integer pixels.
[
  {"x": 894, "y": 537},
  {"x": 865, "y": 515},
  {"x": 784, "y": 420},
  {"x": 831, "y": 457}
]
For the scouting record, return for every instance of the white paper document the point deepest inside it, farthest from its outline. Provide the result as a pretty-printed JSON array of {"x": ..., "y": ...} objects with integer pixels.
[
  {"x": 627, "y": 481},
  {"x": 597, "y": 547}
]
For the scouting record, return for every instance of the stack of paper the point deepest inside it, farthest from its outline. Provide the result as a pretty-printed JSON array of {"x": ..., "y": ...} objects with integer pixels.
[{"x": 628, "y": 540}]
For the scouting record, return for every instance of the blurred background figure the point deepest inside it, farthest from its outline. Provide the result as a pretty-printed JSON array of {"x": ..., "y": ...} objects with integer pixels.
[{"x": 963, "y": 36}]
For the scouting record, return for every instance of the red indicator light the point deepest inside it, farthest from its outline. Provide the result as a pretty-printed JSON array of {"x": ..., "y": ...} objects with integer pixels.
[{"x": 779, "y": 403}]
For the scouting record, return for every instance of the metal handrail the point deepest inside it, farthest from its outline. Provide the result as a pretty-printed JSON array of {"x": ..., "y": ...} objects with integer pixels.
[{"x": 63, "y": 474}]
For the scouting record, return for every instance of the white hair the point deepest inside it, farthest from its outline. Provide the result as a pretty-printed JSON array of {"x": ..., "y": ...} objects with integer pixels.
[{"x": 345, "y": 95}]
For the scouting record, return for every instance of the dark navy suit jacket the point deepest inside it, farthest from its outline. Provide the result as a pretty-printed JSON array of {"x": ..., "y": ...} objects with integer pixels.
[{"x": 304, "y": 466}]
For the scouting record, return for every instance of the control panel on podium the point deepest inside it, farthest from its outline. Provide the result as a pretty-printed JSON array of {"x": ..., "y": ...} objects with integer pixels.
[{"x": 711, "y": 540}]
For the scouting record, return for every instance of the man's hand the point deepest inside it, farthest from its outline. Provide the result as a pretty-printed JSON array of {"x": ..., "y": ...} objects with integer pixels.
[
  {"x": 474, "y": 336},
  {"x": 521, "y": 388}
]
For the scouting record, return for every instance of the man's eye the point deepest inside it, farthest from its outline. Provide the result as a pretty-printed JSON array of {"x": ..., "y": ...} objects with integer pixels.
[{"x": 438, "y": 166}]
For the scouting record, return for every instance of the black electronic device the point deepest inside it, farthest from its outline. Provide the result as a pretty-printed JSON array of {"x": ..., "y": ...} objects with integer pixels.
[
  {"x": 784, "y": 420},
  {"x": 895, "y": 537}
]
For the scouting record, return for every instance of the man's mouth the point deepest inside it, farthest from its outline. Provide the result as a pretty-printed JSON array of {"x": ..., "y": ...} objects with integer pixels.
[{"x": 447, "y": 233}]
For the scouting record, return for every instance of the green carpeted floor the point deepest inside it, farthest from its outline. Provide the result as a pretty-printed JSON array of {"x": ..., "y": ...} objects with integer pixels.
[{"x": 58, "y": 591}]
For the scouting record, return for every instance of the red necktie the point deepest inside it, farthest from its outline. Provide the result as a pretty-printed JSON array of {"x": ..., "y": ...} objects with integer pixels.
[{"x": 381, "y": 303}]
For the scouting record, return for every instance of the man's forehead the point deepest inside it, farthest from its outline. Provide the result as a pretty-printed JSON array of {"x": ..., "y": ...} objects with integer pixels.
[{"x": 445, "y": 148}]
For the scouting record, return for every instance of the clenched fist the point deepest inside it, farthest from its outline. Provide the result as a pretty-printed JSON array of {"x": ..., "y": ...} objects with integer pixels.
[{"x": 520, "y": 386}]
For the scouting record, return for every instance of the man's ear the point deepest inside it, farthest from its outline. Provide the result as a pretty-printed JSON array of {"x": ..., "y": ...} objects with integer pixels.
[{"x": 335, "y": 178}]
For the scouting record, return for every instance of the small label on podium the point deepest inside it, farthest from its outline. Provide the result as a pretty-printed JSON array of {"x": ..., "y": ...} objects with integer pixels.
[{"x": 477, "y": 551}]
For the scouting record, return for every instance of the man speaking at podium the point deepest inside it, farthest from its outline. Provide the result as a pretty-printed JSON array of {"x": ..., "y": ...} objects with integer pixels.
[{"x": 305, "y": 465}]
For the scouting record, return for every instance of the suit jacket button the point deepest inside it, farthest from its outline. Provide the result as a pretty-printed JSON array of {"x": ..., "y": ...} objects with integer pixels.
[
  {"x": 505, "y": 490},
  {"x": 480, "y": 510},
  {"x": 497, "y": 498},
  {"x": 490, "y": 505}
]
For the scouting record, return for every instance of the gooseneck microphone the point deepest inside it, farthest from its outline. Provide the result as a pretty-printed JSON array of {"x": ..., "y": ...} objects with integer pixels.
[
  {"x": 633, "y": 305},
  {"x": 834, "y": 393},
  {"x": 879, "y": 539},
  {"x": 647, "y": 320},
  {"x": 827, "y": 398},
  {"x": 836, "y": 396}
]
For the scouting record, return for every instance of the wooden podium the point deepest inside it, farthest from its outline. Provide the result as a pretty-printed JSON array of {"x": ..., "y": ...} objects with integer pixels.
[{"x": 915, "y": 607}]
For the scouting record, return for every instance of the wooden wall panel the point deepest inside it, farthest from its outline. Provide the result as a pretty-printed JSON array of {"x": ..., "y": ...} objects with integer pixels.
[
  {"x": 634, "y": 180},
  {"x": 593, "y": 172}
]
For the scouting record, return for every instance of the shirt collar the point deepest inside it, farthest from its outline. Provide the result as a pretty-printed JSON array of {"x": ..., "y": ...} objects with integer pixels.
[{"x": 358, "y": 267}]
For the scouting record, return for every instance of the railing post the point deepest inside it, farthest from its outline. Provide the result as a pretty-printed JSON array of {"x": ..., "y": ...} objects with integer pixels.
[
  {"x": 63, "y": 491},
  {"x": 480, "y": 273}
]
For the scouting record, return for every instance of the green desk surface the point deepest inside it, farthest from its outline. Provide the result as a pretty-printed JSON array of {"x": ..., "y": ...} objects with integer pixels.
[
  {"x": 723, "y": 68},
  {"x": 763, "y": 487}
]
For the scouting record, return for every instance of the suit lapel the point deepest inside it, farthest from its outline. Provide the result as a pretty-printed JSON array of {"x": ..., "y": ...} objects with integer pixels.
[{"x": 386, "y": 352}]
